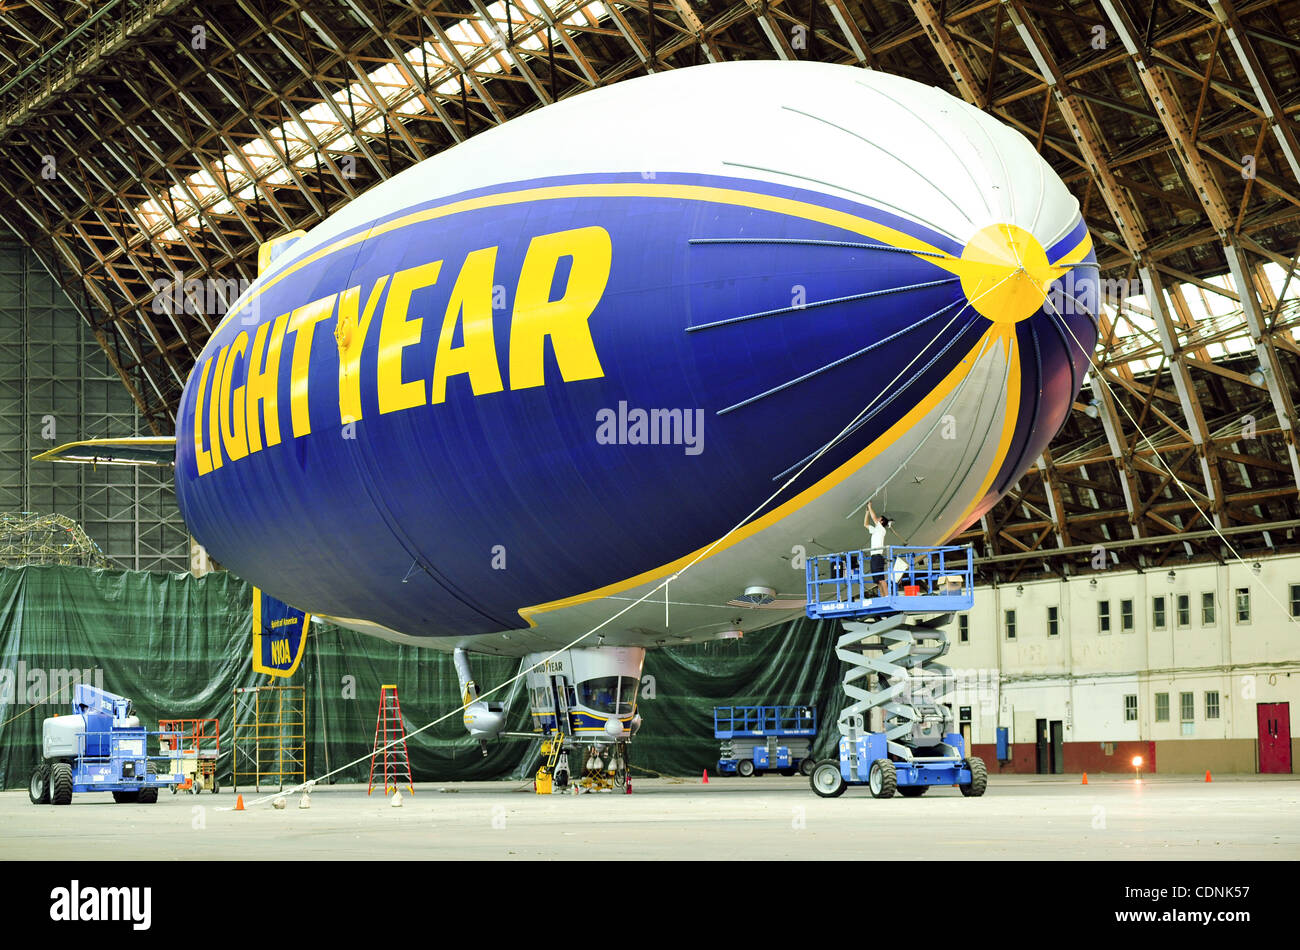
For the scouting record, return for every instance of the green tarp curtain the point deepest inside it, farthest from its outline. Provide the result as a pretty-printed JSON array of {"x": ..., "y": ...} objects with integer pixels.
[{"x": 177, "y": 646}]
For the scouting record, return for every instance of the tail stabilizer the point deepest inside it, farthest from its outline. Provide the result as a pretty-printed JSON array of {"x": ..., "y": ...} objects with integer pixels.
[{"x": 142, "y": 450}]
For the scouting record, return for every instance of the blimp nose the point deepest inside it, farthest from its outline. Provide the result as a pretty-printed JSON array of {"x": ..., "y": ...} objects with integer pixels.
[
  {"x": 1005, "y": 273},
  {"x": 1040, "y": 300},
  {"x": 914, "y": 294}
]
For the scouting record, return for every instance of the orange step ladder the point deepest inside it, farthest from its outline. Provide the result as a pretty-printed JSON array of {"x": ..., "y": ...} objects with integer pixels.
[{"x": 390, "y": 742}]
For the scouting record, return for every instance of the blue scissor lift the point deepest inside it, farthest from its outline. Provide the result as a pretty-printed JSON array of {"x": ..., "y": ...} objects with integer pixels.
[
  {"x": 756, "y": 739},
  {"x": 893, "y": 637}
]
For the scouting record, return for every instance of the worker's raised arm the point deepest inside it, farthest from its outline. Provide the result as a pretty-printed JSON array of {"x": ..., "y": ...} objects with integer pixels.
[{"x": 869, "y": 516}]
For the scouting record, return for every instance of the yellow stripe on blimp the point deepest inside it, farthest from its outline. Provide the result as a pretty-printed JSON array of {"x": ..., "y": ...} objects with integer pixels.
[
  {"x": 707, "y": 193},
  {"x": 1075, "y": 255},
  {"x": 807, "y": 496},
  {"x": 728, "y": 196},
  {"x": 1006, "y": 335}
]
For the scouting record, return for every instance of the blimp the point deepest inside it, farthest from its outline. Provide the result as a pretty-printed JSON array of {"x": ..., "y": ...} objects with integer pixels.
[{"x": 593, "y": 381}]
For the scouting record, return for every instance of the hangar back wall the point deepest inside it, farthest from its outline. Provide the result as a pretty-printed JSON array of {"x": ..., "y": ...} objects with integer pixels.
[
  {"x": 56, "y": 386},
  {"x": 1176, "y": 664},
  {"x": 177, "y": 645}
]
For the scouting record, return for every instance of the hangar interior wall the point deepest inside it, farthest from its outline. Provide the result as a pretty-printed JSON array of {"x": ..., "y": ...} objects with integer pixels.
[
  {"x": 178, "y": 645},
  {"x": 1173, "y": 668},
  {"x": 56, "y": 386}
]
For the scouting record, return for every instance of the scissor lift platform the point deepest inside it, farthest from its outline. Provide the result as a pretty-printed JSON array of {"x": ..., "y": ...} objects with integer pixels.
[
  {"x": 916, "y": 580},
  {"x": 893, "y": 637}
]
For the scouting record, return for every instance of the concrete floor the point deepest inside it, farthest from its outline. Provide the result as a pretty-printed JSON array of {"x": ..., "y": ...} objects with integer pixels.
[{"x": 1027, "y": 817}]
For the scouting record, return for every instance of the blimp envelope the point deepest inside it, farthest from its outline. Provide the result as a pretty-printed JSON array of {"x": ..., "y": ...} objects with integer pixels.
[{"x": 676, "y": 327}]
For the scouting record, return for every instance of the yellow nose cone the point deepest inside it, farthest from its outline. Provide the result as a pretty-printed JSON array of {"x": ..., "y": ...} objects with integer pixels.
[{"x": 1005, "y": 273}]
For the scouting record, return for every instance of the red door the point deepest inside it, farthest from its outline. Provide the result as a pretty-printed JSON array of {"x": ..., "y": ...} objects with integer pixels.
[{"x": 1274, "y": 737}]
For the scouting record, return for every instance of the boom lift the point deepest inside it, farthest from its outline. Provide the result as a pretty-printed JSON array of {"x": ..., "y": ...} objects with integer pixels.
[{"x": 100, "y": 747}]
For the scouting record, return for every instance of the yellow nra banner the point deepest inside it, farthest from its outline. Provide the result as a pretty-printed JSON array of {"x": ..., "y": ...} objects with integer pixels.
[{"x": 279, "y": 635}]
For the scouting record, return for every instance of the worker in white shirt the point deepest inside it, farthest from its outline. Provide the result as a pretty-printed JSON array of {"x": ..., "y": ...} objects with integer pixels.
[{"x": 876, "y": 526}]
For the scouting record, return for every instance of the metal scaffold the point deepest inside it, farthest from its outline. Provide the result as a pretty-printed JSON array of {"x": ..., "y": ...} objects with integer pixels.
[
  {"x": 1174, "y": 126},
  {"x": 269, "y": 736},
  {"x": 30, "y": 538}
]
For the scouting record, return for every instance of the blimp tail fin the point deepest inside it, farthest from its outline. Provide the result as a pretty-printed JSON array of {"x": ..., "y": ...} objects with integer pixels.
[
  {"x": 279, "y": 635},
  {"x": 145, "y": 450},
  {"x": 483, "y": 720}
]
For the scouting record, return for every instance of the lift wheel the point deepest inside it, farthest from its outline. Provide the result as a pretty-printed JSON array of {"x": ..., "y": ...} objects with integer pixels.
[
  {"x": 883, "y": 780},
  {"x": 826, "y": 779}
]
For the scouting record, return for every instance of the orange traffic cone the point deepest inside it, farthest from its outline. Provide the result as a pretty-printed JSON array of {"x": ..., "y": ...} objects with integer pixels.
[
  {"x": 706, "y": 777},
  {"x": 1085, "y": 779},
  {"x": 1207, "y": 776},
  {"x": 239, "y": 803}
]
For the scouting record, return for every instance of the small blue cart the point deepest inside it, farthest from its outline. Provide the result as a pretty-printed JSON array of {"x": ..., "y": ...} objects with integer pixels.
[{"x": 757, "y": 739}]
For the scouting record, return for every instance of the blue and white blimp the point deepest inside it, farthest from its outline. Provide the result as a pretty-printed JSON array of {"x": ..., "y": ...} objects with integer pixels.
[{"x": 499, "y": 398}]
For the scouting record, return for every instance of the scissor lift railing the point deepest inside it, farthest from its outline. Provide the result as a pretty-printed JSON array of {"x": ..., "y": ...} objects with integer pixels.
[
  {"x": 194, "y": 736},
  {"x": 732, "y": 721},
  {"x": 914, "y": 580},
  {"x": 194, "y": 750}
]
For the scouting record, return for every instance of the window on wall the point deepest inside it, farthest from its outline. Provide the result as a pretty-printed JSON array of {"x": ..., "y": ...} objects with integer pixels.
[
  {"x": 1212, "y": 704},
  {"x": 1162, "y": 707},
  {"x": 1126, "y": 616},
  {"x": 1131, "y": 708},
  {"x": 1243, "y": 605},
  {"x": 1158, "y": 613},
  {"x": 1295, "y": 600},
  {"x": 1011, "y": 624},
  {"x": 1186, "y": 711},
  {"x": 1184, "y": 610},
  {"x": 1103, "y": 616},
  {"x": 1053, "y": 621},
  {"x": 963, "y": 628},
  {"x": 1207, "y": 609}
]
